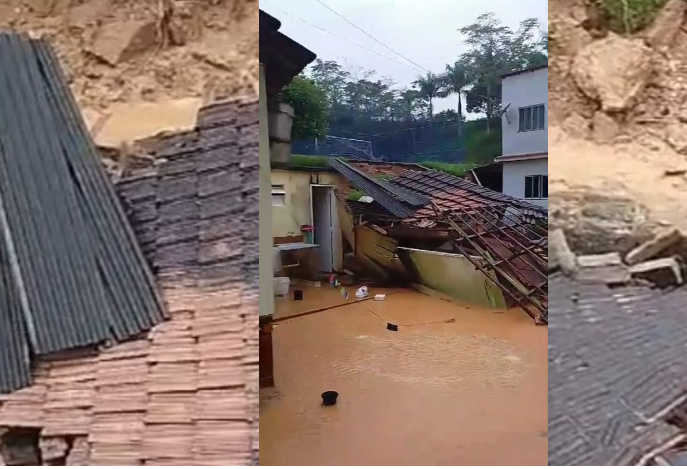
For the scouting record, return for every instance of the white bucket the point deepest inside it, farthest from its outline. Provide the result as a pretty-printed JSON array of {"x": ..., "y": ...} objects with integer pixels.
[{"x": 281, "y": 286}]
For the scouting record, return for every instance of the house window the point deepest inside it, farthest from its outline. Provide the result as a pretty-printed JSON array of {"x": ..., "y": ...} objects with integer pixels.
[
  {"x": 278, "y": 196},
  {"x": 536, "y": 187},
  {"x": 532, "y": 118}
]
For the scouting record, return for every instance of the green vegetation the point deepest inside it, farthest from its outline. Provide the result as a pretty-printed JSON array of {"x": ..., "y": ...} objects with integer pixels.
[
  {"x": 316, "y": 161},
  {"x": 309, "y": 161},
  {"x": 401, "y": 122},
  {"x": 630, "y": 16},
  {"x": 356, "y": 195},
  {"x": 309, "y": 102},
  {"x": 455, "y": 169}
]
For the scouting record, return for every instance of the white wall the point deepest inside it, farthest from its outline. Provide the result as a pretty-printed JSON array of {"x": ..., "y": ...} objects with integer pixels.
[
  {"x": 523, "y": 90},
  {"x": 514, "y": 173}
]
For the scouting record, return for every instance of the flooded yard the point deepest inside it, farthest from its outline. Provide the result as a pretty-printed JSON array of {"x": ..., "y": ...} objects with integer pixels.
[{"x": 455, "y": 385}]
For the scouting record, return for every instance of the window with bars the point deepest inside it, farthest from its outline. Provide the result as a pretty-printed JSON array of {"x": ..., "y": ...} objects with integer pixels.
[
  {"x": 536, "y": 187},
  {"x": 532, "y": 118}
]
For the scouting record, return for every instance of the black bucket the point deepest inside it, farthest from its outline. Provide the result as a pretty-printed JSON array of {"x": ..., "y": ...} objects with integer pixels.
[
  {"x": 391, "y": 327},
  {"x": 298, "y": 295},
  {"x": 329, "y": 398}
]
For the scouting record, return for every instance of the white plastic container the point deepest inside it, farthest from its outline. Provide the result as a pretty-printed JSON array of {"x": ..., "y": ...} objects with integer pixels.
[
  {"x": 281, "y": 286},
  {"x": 380, "y": 297}
]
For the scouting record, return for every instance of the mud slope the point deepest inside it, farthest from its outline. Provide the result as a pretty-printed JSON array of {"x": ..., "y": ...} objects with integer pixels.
[
  {"x": 618, "y": 111},
  {"x": 157, "y": 59}
]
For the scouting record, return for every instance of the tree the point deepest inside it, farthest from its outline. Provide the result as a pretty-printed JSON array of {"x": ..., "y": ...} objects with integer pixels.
[
  {"x": 429, "y": 86},
  {"x": 494, "y": 51},
  {"x": 309, "y": 103},
  {"x": 456, "y": 80},
  {"x": 331, "y": 78}
]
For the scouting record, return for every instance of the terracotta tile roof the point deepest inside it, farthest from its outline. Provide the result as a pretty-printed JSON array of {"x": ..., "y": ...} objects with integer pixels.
[
  {"x": 183, "y": 393},
  {"x": 449, "y": 192}
]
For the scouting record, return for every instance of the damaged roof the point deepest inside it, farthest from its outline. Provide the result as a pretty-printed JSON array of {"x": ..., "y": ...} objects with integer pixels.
[
  {"x": 616, "y": 368},
  {"x": 282, "y": 57},
  {"x": 507, "y": 235},
  {"x": 71, "y": 271}
]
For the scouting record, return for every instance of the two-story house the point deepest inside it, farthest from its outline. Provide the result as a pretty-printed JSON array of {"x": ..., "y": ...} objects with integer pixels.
[{"x": 525, "y": 134}]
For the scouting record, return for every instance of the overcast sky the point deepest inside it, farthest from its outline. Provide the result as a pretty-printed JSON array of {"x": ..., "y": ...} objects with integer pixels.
[{"x": 425, "y": 31}]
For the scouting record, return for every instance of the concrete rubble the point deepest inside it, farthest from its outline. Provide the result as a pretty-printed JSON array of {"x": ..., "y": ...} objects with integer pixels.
[{"x": 660, "y": 261}]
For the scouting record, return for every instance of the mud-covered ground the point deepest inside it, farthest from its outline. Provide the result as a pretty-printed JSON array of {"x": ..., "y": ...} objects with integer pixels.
[
  {"x": 125, "y": 57},
  {"x": 618, "y": 124}
]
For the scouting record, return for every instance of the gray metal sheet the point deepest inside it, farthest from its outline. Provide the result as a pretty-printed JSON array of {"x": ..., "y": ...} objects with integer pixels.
[
  {"x": 74, "y": 274},
  {"x": 374, "y": 189}
]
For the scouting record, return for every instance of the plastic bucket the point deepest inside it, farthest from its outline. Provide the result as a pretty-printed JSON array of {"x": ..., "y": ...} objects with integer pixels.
[
  {"x": 329, "y": 398},
  {"x": 281, "y": 286}
]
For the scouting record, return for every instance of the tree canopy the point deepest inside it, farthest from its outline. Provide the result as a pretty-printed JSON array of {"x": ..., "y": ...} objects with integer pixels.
[{"x": 400, "y": 120}]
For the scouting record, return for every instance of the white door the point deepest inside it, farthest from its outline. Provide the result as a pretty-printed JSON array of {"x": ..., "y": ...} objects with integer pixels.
[{"x": 323, "y": 222}]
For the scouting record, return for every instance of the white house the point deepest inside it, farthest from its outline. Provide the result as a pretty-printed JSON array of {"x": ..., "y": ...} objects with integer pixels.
[{"x": 525, "y": 98}]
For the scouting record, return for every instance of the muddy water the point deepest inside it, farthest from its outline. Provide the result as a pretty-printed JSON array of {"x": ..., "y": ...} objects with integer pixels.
[{"x": 470, "y": 391}]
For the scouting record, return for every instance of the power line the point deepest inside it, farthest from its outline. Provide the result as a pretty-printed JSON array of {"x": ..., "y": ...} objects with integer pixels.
[
  {"x": 340, "y": 37},
  {"x": 370, "y": 36}
]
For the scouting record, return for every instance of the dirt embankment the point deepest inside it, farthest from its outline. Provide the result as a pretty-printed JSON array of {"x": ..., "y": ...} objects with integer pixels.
[
  {"x": 157, "y": 60},
  {"x": 618, "y": 125}
]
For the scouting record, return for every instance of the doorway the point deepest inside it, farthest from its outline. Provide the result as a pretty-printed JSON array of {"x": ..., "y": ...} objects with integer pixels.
[{"x": 325, "y": 221}]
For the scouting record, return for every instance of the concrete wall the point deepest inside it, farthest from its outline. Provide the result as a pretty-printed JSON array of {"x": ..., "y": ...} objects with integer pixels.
[
  {"x": 455, "y": 276},
  {"x": 523, "y": 90},
  {"x": 287, "y": 219},
  {"x": 514, "y": 173},
  {"x": 265, "y": 205}
]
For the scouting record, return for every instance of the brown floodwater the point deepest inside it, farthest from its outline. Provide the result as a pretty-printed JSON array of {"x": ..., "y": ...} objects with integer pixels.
[{"x": 471, "y": 391}]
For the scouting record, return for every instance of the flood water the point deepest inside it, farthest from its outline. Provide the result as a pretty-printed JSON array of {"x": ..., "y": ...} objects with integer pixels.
[{"x": 470, "y": 391}]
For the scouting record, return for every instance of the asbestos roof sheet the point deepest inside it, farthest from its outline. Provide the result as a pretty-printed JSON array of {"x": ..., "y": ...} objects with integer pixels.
[
  {"x": 72, "y": 273},
  {"x": 399, "y": 202},
  {"x": 616, "y": 361}
]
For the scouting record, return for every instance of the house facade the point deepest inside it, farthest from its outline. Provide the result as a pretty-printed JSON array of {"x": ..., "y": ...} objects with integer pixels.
[
  {"x": 525, "y": 134},
  {"x": 281, "y": 59}
]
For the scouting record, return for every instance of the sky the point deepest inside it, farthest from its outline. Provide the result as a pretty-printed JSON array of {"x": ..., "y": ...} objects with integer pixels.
[{"x": 424, "y": 31}]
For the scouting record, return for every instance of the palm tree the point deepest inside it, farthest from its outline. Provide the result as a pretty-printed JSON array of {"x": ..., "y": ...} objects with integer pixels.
[
  {"x": 429, "y": 86},
  {"x": 456, "y": 81}
]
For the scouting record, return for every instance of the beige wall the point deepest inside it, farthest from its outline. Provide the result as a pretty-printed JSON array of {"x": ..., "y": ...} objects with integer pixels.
[
  {"x": 456, "y": 276},
  {"x": 287, "y": 220},
  {"x": 266, "y": 245}
]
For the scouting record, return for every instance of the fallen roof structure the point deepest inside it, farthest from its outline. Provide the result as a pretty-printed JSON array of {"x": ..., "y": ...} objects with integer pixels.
[
  {"x": 617, "y": 374},
  {"x": 72, "y": 274},
  {"x": 185, "y": 393},
  {"x": 508, "y": 236}
]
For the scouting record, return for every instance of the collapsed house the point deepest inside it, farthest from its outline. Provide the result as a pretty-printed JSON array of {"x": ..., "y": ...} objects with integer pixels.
[
  {"x": 105, "y": 360},
  {"x": 421, "y": 213}
]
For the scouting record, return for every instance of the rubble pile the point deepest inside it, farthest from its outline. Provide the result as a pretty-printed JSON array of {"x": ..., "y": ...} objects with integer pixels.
[{"x": 658, "y": 262}]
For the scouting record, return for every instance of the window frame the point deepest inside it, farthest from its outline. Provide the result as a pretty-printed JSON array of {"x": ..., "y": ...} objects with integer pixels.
[
  {"x": 534, "y": 111},
  {"x": 278, "y": 193},
  {"x": 540, "y": 182}
]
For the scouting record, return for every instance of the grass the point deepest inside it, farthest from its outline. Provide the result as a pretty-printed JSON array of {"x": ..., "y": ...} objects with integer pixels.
[
  {"x": 454, "y": 169},
  {"x": 630, "y": 16},
  {"x": 356, "y": 195},
  {"x": 313, "y": 161},
  {"x": 309, "y": 161}
]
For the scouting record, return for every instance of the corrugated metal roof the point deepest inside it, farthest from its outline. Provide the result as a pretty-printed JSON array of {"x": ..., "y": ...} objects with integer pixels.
[
  {"x": 616, "y": 359},
  {"x": 73, "y": 273},
  {"x": 394, "y": 201}
]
